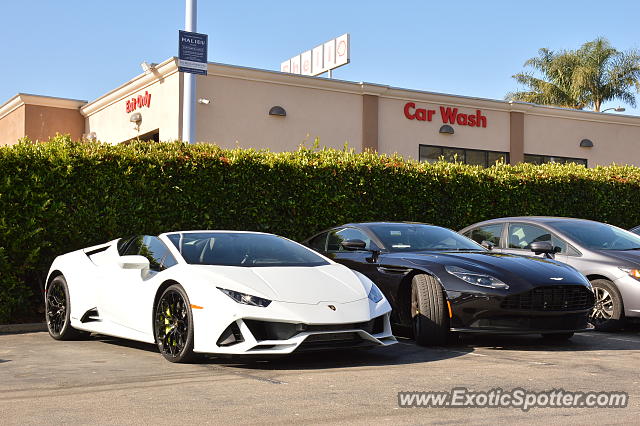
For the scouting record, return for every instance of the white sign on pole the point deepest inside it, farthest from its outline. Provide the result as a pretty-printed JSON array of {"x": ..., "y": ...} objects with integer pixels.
[
  {"x": 285, "y": 66},
  {"x": 305, "y": 63},
  {"x": 330, "y": 54},
  {"x": 325, "y": 57},
  {"x": 317, "y": 60},
  {"x": 342, "y": 50},
  {"x": 295, "y": 65}
]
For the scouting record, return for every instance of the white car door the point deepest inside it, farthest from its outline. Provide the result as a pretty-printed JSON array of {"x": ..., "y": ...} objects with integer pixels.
[{"x": 128, "y": 293}]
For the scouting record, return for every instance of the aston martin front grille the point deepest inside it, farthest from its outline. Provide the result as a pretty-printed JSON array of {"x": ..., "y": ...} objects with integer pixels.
[{"x": 551, "y": 298}]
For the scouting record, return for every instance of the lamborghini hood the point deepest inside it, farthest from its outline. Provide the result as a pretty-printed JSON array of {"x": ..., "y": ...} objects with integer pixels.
[{"x": 308, "y": 285}]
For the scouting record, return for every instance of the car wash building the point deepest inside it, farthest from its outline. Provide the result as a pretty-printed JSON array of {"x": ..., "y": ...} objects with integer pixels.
[{"x": 253, "y": 108}]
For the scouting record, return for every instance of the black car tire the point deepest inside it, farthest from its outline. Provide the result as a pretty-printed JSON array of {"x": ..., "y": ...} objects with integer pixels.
[
  {"x": 428, "y": 311},
  {"x": 557, "y": 337},
  {"x": 173, "y": 313},
  {"x": 616, "y": 321},
  {"x": 57, "y": 308}
]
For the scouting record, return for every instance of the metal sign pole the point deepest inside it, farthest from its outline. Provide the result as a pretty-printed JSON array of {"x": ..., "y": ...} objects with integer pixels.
[{"x": 189, "y": 98}]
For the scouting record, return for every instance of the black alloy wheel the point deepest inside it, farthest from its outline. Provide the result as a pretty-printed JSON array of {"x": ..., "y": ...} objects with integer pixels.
[
  {"x": 58, "y": 311},
  {"x": 173, "y": 325}
]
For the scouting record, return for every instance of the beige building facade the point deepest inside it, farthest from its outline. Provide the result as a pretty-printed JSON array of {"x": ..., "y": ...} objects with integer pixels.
[
  {"x": 251, "y": 108},
  {"x": 39, "y": 117}
]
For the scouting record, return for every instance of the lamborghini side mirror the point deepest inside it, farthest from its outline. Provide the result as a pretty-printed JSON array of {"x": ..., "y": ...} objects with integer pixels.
[{"x": 134, "y": 262}]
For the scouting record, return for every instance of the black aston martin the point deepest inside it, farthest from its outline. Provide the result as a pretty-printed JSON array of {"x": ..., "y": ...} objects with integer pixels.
[{"x": 439, "y": 281}]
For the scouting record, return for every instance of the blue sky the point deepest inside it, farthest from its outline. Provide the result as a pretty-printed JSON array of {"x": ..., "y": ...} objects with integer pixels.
[{"x": 83, "y": 49}]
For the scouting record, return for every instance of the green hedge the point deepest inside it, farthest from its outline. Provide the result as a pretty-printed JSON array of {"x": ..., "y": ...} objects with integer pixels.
[{"x": 63, "y": 195}]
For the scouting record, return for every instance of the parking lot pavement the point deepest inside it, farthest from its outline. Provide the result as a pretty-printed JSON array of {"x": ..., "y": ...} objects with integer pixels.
[{"x": 111, "y": 381}]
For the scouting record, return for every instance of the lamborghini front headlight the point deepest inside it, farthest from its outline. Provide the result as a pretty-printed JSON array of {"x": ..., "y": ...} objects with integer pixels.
[{"x": 245, "y": 299}]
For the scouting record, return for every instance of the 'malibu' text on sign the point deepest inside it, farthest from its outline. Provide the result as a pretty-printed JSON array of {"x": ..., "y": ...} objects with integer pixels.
[{"x": 449, "y": 115}]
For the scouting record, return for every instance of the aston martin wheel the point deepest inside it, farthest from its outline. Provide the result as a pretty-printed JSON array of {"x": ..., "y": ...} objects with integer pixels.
[
  {"x": 58, "y": 311},
  {"x": 608, "y": 312},
  {"x": 173, "y": 325},
  {"x": 428, "y": 311}
]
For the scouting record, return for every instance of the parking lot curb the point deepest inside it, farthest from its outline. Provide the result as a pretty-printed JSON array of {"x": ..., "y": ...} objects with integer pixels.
[{"x": 23, "y": 328}]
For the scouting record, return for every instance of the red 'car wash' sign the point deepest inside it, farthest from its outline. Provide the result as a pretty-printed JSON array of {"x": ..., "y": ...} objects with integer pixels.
[
  {"x": 139, "y": 102},
  {"x": 447, "y": 114}
]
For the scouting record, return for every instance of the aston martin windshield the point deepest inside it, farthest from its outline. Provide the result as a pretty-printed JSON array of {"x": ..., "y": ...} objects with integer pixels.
[
  {"x": 417, "y": 237},
  {"x": 598, "y": 236},
  {"x": 242, "y": 249}
]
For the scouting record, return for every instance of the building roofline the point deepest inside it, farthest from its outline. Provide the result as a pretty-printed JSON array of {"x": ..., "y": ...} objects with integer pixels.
[
  {"x": 170, "y": 66},
  {"x": 28, "y": 99},
  {"x": 158, "y": 73}
]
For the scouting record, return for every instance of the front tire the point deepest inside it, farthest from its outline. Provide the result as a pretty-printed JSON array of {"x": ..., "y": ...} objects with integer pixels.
[
  {"x": 428, "y": 311},
  {"x": 173, "y": 325},
  {"x": 57, "y": 308},
  {"x": 608, "y": 311}
]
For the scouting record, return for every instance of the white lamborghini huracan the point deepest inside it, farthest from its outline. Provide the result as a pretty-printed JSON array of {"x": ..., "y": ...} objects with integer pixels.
[{"x": 221, "y": 292}]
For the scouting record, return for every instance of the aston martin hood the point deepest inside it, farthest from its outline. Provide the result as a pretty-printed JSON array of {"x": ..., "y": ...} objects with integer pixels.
[
  {"x": 308, "y": 285},
  {"x": 507, "y": 267}
]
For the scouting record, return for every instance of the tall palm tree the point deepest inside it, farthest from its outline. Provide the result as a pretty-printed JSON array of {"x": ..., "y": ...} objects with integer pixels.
[{"x": 582, "y": 78}]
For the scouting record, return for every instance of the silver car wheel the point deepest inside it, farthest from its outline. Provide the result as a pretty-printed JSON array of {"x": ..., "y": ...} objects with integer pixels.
[{"x": 603, "y": 308}]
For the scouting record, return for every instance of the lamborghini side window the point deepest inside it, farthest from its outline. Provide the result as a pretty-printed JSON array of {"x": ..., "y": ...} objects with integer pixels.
[
  {"x": 160, "y": 258},
  {"x": 133, "y": 247},
  {"x": 123, "y": 243}
]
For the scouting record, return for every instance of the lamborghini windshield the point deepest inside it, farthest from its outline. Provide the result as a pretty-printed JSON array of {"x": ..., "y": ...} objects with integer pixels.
[
  {"x": 242, "y": 249},
  {"x": 418, "y": 237}
]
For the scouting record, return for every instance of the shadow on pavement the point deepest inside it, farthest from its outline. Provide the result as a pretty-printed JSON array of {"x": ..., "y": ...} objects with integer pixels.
[
  {"x": 407, "y": 352},
  {"x": 580, "y": 342},
  {"x": 403, "y": 353}
]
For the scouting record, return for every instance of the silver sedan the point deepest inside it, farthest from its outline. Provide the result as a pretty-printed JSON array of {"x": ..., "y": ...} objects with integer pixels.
[{"x": 607, "y": 255}]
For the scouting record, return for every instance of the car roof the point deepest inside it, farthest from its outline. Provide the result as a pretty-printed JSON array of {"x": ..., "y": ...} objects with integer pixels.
[
  {"x": 537, "y": 219},
  {"x": 215, "y": 231},
  {"x": 383, "y": 223}
]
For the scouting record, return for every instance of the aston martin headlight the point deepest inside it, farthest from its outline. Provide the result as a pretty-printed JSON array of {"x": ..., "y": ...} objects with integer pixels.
[
  {"x": 633, "y": 273},
  {"x": 374, "y": 294},
  {"x": 246, "y": 299},
  {"x": 476, "y": 278}
]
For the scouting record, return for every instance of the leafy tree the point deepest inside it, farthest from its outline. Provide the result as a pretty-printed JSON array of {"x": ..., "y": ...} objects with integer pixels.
[{"x": 583, "y": 78}]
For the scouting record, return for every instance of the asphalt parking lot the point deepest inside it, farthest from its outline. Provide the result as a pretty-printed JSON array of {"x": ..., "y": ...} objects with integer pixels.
[{"x": 111, "y": 381}]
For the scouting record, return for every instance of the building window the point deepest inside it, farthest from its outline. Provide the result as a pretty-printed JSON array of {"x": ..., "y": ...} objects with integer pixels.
[
  {"x": 542, "y": 159},
  {"x": 476, "y": 157}
]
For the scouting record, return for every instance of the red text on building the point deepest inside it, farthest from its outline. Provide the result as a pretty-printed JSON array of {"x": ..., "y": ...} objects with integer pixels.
[
  {"x": 447, "y": 114},
  {"x": 139, "y": 102}
]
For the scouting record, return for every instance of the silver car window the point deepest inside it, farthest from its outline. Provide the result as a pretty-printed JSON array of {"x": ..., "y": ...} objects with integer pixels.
[
  {"x": 598, "y": 236},
  {"x": 521, "y": 235}
]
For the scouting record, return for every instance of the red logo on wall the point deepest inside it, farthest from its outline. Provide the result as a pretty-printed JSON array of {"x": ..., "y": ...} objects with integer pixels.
[
  {"x": 449, "y": 115},
  {"x": 139, "y": 102}
]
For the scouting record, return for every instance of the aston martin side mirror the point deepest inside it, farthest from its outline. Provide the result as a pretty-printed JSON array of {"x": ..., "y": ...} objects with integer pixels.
[{"x": 353, "y": 245}]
